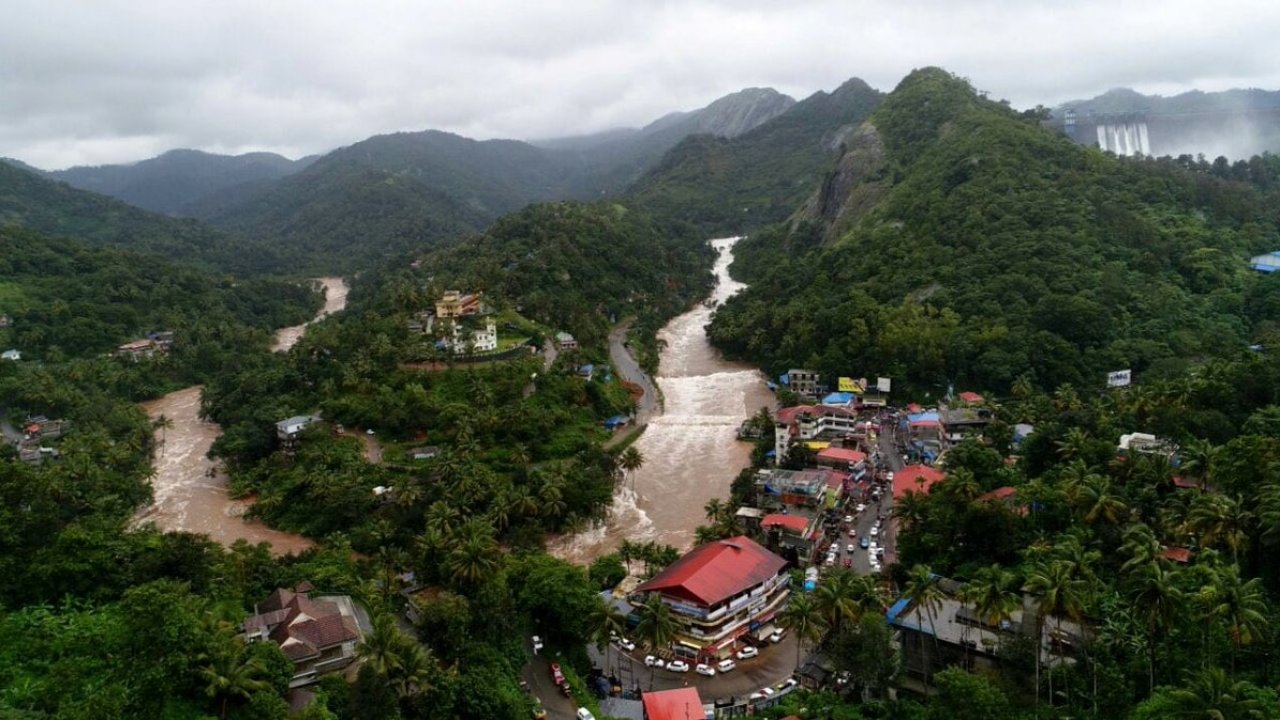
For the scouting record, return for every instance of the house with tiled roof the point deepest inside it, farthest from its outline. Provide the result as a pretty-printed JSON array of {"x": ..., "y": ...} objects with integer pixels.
[
  {"x": 718, "y": 592},
  {"x": 319, "y": 636}
]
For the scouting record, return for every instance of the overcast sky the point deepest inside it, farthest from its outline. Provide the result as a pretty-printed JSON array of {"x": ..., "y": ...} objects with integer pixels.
[{"x": 97, "y": 81}]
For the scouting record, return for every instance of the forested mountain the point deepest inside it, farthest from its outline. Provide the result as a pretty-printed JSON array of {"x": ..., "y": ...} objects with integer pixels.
[
  {"x": 55, "y": 208},
  {"x": 729, "y": 185},
  {"x": 389, "y": 192},
  {"x": 340, "y": 216},
  {"x": 65, "y": 299},
  {"x": 982, "y": 247},
  {"x": 176, "y": 182}
]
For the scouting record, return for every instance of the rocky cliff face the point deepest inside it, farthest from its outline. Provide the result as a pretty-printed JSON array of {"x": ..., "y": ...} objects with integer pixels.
[
  {"x": 733, "y": 115},
  {"x": 852, "y": 188}
]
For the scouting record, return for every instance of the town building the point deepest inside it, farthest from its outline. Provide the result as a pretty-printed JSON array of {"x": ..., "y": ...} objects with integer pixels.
[
  {"x": 422, "y": 322},
  {"x": 971, "y": 398},
  {"x": 961, "y": 423},
  {"x": 950, "y": 633},
  {"x": 800, "y": 534},
  {"x": 924, "y": 434},
  {"x": 319, "y": 636},
  {"x": 852, "y": 461},
  {"x": 804, "y": 489},
  {"x": 477, "y": 340},
  {"x": 678, "y": 704},
  {"x": 915, "y": 478},
  {"x": 802, "y": 382},
  {"x": 719, "y": 592},
  {"x": 39, "y": 427},
  {"x": 287, "y": 431},
  {"x": 1266, "y": 263},
  {"x": 565, "y": 341},
  {"x": 806, "y": 423},
  {"x": 1146, "y": 444},
  {"x": 426, "y": 452},
  {"x": 456, "y": 304},
  {"x": 139, "y": 350}
]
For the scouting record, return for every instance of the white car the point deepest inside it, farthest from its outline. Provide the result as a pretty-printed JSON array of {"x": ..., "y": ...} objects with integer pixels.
[
  {"x": 790, "y": 683},
  {"x": 369, "y": 431},
  {"x": 537, "y": 644},
  {"x": 585, "y": 714},
  {"x": 704, "y": 669},
  {"x": 875, "y": 567},
  {"x": 626, "y": 644},
  {"x": 763, "y": 694},
  {"x": 861, "y": 507},
  {"x": 748, "y": 652},
  {"x": 848, "y": 518},
  {"x": 654, "y": 662},
  {"x": 777, "y": 636},
  {"x": 678, "y": 666},
  {"x": 726, "y": 665},
  {"x": 852, "y": 548},
  {"x": 875, "y": 532}
]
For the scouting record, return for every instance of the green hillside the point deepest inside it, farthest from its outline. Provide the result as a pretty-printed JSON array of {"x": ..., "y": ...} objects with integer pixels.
[
  {"x": 996, "y": 248},
  {"x": 724, "y": 186},
  {"x": 53, "y": 208},
  {"x": 338, "y": 216},
  {"x": 66, "y": 299}
]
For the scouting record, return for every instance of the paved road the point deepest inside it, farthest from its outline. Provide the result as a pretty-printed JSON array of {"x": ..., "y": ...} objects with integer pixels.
[
  {"x": 537, "y": 672},
  {"x": 774, "y": 664},
  {"x": 630, "y": 370}
]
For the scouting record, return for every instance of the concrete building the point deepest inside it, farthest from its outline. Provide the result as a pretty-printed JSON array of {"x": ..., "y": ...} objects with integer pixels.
[
  {"x": 803, "y": 382},
  {"x": 805, "y": 423},
  {"x": 719, "y": 592},
  {"x": 456, "y": 304},
  {"x": 565, "y": 341},
  {"x": 140, "y": 350}
]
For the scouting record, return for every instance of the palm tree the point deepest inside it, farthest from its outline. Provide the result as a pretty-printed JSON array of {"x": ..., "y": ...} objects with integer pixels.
[
  {"x": 911, "y": 510},
  {"x": 994, "y": 594},
  {"x": 657, "y": 627},
  {"x": 231, "y": 673},
  {"x": 630, "y": 461},
  {"x": 1061, "y": 594},
  {"x": 1073, "y": 445},
  {"x": 415, "y": 669},
  {"x": 923, "y": 592},
  {"x": 475, "y": 559},
  {"x": 1217, "y": 519},
  {"x": 1212, "y": 694},
  {"x": 962, "y": 485},
  {"x": 382, "y": 648},
  {"x": 1156, "y": 598},
  {"x": 1098, "y": 502},
  {"x": 1199, "y": 460},
  {"x": 627, "y": 552},
  {"x": 1241, "y": 605},
  {"x": 162, "y": 423},
  {"x": 604, "y": 622},
  {"x": 1142, "y": 547},
  {"x": 836, "y": 599},
  {"x": 714, "y": 508},
  {"x": 803, "y": 616}
]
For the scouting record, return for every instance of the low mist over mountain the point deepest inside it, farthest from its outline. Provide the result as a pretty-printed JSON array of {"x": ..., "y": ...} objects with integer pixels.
[
  {"x": 1234, "y": 123},
  {"x": 178, "y": 180}
]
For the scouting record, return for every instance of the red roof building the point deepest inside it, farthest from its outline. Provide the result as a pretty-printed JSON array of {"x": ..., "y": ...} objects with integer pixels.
[
  {"x": 841, "y": 457},
  {"x": 679, "y": 704},
  {"x": 318, "y": 636},
  {"x": 1000, "y": 493},
  {"x": 971, "y": 398},
  {"x": 795, "y": 523},
  {"x": 1177, "y": 554},
  {"x": 718, "y": 589},
  {"x": 915, "y": 478}
]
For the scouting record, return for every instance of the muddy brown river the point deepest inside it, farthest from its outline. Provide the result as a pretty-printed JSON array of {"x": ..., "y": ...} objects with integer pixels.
[
  {"x": 691, "y": 452},
  {"x": 190, "y": 489}
]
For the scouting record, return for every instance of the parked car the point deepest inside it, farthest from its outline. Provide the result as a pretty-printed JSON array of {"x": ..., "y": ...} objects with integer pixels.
[
  {"x": 537, "y": 644},
  {"x": 556, "y": 675},
  {"x": 864, "y": 543},
  {"x": 861, "y": 507},
  {"x": 848, "y": 519},
  {"x": 748, "y": 652},
  {"x": 704, "y": 669},
  {"x": 626, "y": 644},
  {"x": 679, "y": 666},
  {"x": 726, "y": 665},
  {"x": 848, "y": 562},
  {"x": 539, "y": 712},
  {"x": 788, "y": 684},
  {"x": 875, "y": 532},
  {"x": 851, "y": 548},
  {"x": 585, "y": 714},
  {"x": 651, "y": 661},
  {"x": 777, "y": 635},
  {"x": 763, "y": 694}
]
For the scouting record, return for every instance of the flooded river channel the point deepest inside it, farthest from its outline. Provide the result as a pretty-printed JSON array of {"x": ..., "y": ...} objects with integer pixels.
[
  {"x": 691, "y": 452},
  {"x": 190, "y": 489}
]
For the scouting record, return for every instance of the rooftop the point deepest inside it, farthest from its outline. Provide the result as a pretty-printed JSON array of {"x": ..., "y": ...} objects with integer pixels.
[
  {"x": 795, "y": 523},
  {"x": 678, "y": 704},
  {"x": 915, "y": 478},
  {"x": 716, "y": 571},
  {"x": 842, "y": 455}
]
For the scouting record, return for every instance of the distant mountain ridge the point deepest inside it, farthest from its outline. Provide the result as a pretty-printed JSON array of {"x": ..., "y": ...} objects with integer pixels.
[{"x": 174, "y": 182}]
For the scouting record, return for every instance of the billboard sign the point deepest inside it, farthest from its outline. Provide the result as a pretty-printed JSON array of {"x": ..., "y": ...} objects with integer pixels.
[
  {"x": 1119, "y": 378},
  {"x": 883, "y": 384}
]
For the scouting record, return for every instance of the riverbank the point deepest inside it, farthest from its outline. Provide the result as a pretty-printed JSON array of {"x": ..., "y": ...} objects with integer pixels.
[
  {"x": 690, "y": 447},
  {"x": 190, "y": 491}
]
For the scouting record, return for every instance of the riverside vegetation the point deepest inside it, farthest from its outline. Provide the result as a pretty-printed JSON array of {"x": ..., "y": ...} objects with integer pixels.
[{"x": 978, "y": 248}]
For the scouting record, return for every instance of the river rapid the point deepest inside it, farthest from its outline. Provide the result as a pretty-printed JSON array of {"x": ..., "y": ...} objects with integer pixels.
[
  {"x": 190, "y": 489},
  {"x": 691, "y": 452}
]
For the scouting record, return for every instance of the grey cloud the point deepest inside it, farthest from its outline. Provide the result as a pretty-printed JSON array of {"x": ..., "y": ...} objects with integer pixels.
[{"x": 113, "y": 81}]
